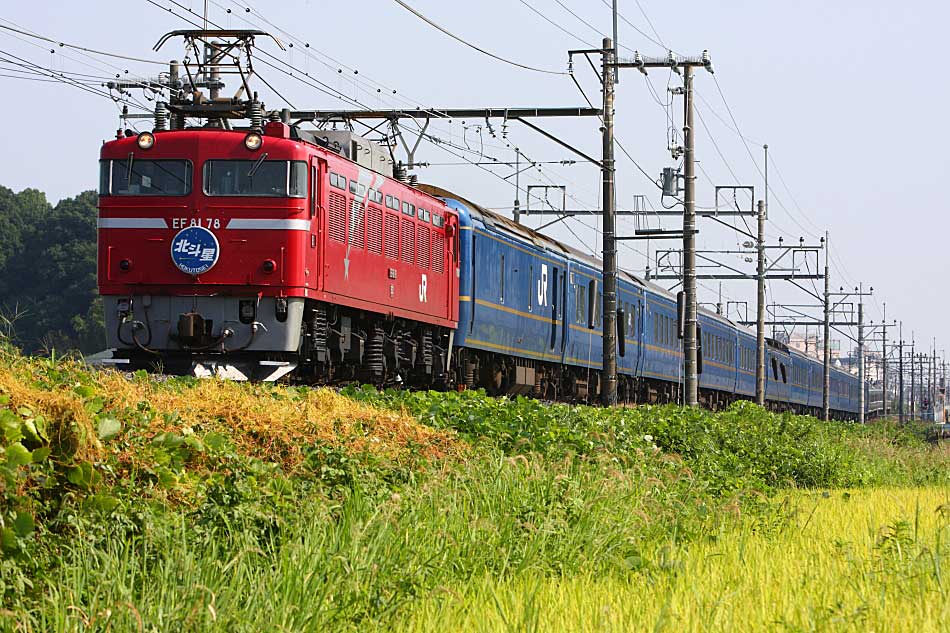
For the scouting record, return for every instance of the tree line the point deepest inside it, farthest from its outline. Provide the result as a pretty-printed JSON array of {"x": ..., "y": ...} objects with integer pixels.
[{"x": 48, "y": 296}]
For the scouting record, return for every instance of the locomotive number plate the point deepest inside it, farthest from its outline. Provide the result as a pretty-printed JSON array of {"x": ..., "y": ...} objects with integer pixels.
[{"x": 208, "y": 223}]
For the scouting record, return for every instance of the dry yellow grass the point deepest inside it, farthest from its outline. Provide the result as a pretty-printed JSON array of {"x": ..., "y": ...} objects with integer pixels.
[{"x": 271, "y": 422}]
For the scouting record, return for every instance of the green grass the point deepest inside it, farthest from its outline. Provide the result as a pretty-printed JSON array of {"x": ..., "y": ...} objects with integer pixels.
[{"x": 201, "y": 505}]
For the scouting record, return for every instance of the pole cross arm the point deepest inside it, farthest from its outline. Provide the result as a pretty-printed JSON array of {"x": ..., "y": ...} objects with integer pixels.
[
  {"x": 671, "y": 61},
  {"x": 730, "y": 277},
  {"x": 444, "y": 113}
]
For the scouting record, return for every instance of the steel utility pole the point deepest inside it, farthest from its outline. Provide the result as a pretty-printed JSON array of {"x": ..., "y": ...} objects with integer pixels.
[
  {"x": 760, "y": 308},
  {"x": 609, "y": 338},
  {"x": 826, "y": 391},
  {"x": 689, "y": 242}
]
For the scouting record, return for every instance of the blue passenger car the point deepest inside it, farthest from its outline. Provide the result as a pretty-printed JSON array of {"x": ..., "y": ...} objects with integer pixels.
[{"x": 530, "y": 319}]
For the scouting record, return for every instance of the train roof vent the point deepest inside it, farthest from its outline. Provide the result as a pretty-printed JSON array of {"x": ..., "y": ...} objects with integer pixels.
[{"x": 771, "y": 342}]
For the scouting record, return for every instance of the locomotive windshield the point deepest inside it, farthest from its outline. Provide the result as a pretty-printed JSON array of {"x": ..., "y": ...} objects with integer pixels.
[
  {"x": 274, "y": 178},
  {"x": 144, "y": 178}
]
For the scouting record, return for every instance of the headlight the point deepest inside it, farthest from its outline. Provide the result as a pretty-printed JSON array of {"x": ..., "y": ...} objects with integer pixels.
[
  {"x": 253, "y": 141},
  {"x": 146, "y": 140}
]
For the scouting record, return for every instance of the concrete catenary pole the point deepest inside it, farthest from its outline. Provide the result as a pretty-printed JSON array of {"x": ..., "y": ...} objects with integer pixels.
[
  {"x": 913, "y": 386},
  {"x": 933, "y": 381},
  {"x": 760, "y": 308},
  {"x": 616, "y": 41},
  {"x": 689, "y": 242},
  {"x": 900, "y": 375},
  {"x": 609, "y": 374},
  {"x": 826, "y": 391},
  {"x": 861, "y": 403},
  {"x": 884, "y": 358}
]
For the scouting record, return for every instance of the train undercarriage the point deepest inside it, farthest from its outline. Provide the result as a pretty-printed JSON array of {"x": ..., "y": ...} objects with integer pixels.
[
  {"x": 335, "y": 345},
  {"x": 500, "y": 374},
  {"x": 341, "y": 345}
]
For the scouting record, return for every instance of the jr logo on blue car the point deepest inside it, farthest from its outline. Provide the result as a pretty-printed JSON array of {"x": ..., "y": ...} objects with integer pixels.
[{"x": 195, "y": 250}]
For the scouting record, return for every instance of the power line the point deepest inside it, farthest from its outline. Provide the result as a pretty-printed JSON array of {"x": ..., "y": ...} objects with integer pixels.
[
  {"x": 656, "y": 41},
  {"x": 557, "y": 26},
  {"x": 581, "y": 20},
  {"x": 473, "y": 46}
]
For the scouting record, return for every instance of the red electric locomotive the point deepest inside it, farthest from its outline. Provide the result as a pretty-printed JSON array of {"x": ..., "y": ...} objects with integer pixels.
[{"x": 258, "y": 251}]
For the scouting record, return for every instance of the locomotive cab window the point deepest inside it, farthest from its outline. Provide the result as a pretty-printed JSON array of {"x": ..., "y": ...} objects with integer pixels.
[
  {"x": 144, "y": 177},
  {"x": 267, "y": 178}
]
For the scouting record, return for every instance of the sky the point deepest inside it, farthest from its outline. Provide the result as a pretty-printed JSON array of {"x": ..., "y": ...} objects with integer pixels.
[{"x": 848, "y": 96}]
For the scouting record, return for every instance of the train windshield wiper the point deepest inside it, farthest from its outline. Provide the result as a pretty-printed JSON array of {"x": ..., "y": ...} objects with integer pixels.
[
  {"x": 257, "y": 165},
  {"x": 128, "y": 175}
]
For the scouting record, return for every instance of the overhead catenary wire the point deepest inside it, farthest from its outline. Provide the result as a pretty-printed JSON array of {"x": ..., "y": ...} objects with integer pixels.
[
  {"x": 438, "y": 142},
  {"x": 834, "y": 260},
  {"x": 82, "y": 48},
  {"x": 16, "y": 60},
  {"x": 289, "y": 69},
  {"x": 37, "y": 77},
  {"x": 8, "y": 67},
  {"x": 93, "y": 63},
  {"x": 382, "y": 91},
  {"x": 248, "y": 8},
  {"x": 293, "y": 72}
]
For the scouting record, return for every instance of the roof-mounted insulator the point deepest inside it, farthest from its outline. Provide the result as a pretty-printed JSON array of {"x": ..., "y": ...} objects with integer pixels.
[
  {"x": 255, "y": 112},
  {"x": 400, "y": 173},
  {"x": 161, "y": 115}
]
